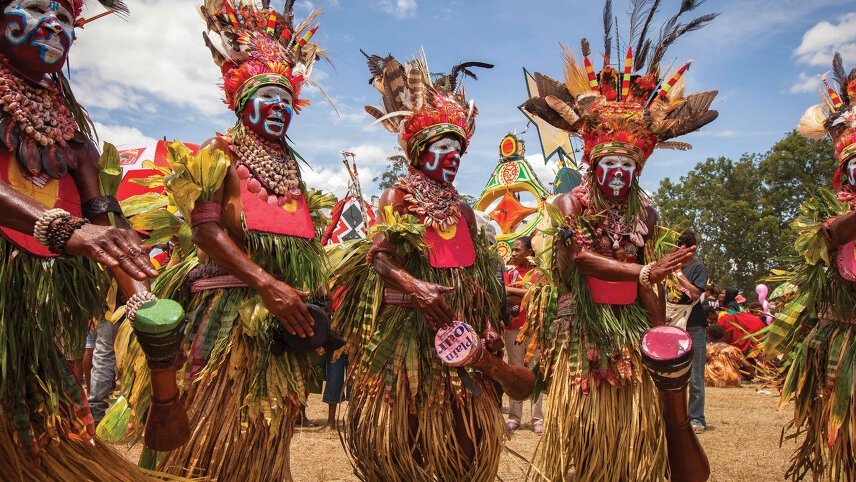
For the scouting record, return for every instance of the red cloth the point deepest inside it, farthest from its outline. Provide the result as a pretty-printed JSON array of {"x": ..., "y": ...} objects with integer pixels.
[
  {"x": 736, "y": 327},
  {"x": 513, "y": 277},
  {"x": 455, "y": 252}
]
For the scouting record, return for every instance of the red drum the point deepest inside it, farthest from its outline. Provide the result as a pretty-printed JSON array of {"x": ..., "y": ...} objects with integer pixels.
[
  {"x": 667, "y": 354},
  {"x": 458, "y": 345}
]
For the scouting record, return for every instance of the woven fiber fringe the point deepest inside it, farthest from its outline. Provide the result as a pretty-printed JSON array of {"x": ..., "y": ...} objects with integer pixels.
[
  {"x": 391, "y": 437},
  {"x": 243, "y": 408},
  {"x": 821, "y": 381},
  {"x": 608, "y": 434},
  {"x": 65, "y": 459}
]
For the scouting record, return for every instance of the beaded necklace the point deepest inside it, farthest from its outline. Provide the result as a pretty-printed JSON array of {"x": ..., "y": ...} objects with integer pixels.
[
  {"x": 37, "y": 125},
  {"x": 269, "y": 167},
  {"x": 438, "y": 204}
]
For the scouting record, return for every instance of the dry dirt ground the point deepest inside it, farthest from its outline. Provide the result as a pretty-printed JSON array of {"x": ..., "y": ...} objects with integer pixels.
[{"x": 742, "y": 441}]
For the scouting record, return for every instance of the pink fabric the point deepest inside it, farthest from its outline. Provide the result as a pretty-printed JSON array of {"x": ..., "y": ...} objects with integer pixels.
[
  {"x": 266, "y": 218},
  {"x": 846, "y": 261},
  {"x": 457, "y": 252},
  {"x": 612, "y": 292}
]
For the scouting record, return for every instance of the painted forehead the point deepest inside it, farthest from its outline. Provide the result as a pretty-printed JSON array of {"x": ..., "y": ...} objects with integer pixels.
[
  {"x": 616, "y": 160},
  {"x": 49, "y": 6},
  {"x": 446, "y": 142},
  {"x": 273, "y": 91}
]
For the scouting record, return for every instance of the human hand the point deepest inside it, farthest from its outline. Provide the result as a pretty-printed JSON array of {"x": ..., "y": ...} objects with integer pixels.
[
  {"x": 493, "y": 342},
  {"x": 671, "y": 263},
  {"x": 115, "y": 248},
  {"x": 286, "y": 304},
  {"x": 428, "y": 297}
]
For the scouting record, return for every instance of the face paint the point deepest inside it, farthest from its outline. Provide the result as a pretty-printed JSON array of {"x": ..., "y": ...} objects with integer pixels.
[
  {"x": 615, "y": 175},
  {"x": 442, "y": 159},
  {"x": 268, "y": 112},
  {"x": 37, "y": 35},
  {"x": 851, "y": 172}
]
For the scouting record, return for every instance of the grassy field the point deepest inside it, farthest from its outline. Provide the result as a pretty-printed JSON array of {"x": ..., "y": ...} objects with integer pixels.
[{"x": 742, "y": 441}]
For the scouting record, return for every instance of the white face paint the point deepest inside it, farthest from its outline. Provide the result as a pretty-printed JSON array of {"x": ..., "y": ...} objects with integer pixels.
[
  {"x": 851, "y": 172},
  {"x": 442, "y": 159},
  {"x": 615, "y": 173},
  {"x": 43, "y": 24}
]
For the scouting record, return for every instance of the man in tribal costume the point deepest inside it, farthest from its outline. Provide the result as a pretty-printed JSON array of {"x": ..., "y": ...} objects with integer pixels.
[
  {"x": 258, "y": 255},
  {"x": 410, "y": 416},
  {"x": 55, "y": 228},
  {"x": 603, "y": 420},
  {"x": 816, "y": 332}
]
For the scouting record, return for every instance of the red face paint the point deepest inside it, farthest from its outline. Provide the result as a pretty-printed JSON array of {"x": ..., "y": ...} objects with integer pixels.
[
  {"x": 268, "y": 112},
  {"x": 35, "y": 36},
  {"x": 614, "y": 176},
  {"x": 442, "y": 159}
]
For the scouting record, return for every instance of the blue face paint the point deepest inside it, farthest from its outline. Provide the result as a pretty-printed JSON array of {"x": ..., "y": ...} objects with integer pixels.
[
  {"x": 269, "y": 114},
  {"x": 41, "y": 24}
]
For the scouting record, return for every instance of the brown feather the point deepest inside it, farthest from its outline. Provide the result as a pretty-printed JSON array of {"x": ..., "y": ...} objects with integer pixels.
[
  {"x": 394, "y": 80},
  {"x": 678, "y": 146},
  {"x": 686, "y": 125},
  {"x": 388, "y": 124},
  {"x": 549, "y": 86},
  {"x": 695, "y": 104},
  {"x": 415, "y": 86},
  {"x": 538, "y": 106},
  {"x": 565, "y": 110}
]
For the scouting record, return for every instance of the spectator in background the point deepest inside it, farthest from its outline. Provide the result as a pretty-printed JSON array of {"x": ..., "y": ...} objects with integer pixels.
[
  {"x": 519, "y": 265},
  {"x": 724, "y": 362},
  {"x": 692, "y": 281},
  {"x": 103, "y": 377},
  {"x": 740, "y": 328},
  {"x": 728, "y": 300}
]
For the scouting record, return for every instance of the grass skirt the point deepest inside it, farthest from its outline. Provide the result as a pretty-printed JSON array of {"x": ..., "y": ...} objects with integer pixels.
[
  {"x": 608, "y": 434},
  {"x": 397, "y": 432},
  {"x": 244, "y": 404}
]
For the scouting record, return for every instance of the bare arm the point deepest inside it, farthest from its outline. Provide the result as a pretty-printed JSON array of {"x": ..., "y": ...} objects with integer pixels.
[
  {"x": 428, "y": 297},
  {"x": 842, "y": 229},
  {"x": 608, "y": 269},
  {"x": 283, "y": 301}
]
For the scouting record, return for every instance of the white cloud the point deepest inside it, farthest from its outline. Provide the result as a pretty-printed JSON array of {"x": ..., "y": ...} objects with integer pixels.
[
  {"x": 805, "y": 83},
  {"x": 122, "y": 135},
  {"x": 157, "y": 54},
  {"x": 546, "y": 172},
  {"x": 818, "y": 45},
  {"x": 825, "y": 38},
  {"x": 399, "y": 8}
]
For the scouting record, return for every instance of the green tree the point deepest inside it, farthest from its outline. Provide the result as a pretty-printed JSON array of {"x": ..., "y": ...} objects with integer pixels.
[
  {"x": 469, "y": 200},
  {"x": 741, "y": 210},
  {"x": 396, "y": 168}
]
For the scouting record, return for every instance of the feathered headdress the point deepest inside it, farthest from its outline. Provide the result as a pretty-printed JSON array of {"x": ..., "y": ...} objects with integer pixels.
[
  {"x": 254, "y": 46},
  {"x": 835, "y": 116},
  {"x": 629, "y": 111},
  {"x": 419, "y": 106},
  {"x": 76, "y": 6}
]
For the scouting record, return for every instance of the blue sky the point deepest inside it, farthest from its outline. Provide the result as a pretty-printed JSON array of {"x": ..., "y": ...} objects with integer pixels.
[{"x": 150, "y": 76}]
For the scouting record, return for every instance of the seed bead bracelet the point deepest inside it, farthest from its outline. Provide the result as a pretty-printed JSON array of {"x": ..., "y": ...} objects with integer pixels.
[
  {"x": 645, "y": 275},
  {"x": 135, "y": 302},
  {"x": 61, "y": 231},
  {"x": 43, "y": 224}
]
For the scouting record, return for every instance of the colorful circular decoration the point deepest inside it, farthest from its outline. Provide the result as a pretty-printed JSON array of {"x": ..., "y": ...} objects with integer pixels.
[
  {"x": 508, "y": 146},
  {"x": 509, "y": 172}
]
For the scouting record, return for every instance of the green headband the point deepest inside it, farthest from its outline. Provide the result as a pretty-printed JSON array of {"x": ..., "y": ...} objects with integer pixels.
[
  {"x": 430, "y": 133},
  {"x": 256, "y": 82}
]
